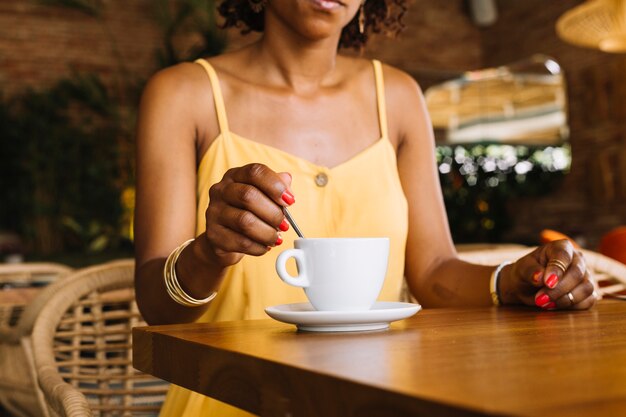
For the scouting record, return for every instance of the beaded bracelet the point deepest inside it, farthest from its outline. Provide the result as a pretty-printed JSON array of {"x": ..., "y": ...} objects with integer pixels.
[
  {"x": 494, "y": 288},
  {"x": 172, "y": 285}
]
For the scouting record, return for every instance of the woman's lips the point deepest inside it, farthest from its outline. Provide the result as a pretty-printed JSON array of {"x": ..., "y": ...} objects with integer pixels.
[{"x": 327, "y": 4}]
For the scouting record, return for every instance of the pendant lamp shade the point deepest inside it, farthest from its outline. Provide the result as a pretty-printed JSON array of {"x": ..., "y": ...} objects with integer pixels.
[{"x": 599, "y": 24}]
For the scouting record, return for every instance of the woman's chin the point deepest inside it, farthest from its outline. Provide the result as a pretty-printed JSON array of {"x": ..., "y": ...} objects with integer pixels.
[
  {"x": 319, "y": 31},
  {"x": 312, "y": 20}
]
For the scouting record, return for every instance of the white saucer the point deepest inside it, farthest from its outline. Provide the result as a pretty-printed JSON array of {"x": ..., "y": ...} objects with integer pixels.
[{"x": 306, "y": 318}]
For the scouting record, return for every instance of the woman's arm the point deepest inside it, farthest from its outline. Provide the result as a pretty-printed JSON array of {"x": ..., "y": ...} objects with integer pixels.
[
  {"x": 435, "y": 275},
  {"x": 165, "y": 214},
  {"x": 244, "y": 213}
]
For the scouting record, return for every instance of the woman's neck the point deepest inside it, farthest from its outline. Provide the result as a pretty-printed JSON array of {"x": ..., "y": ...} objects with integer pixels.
[{"x": 294, "y": 62}]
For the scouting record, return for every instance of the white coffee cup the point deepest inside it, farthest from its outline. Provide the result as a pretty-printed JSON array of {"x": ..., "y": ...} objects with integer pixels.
[{"x": 338, "y": 274}]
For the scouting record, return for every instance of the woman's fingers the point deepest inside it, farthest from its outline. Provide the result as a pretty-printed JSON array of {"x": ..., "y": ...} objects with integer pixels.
[
  {"x": 244, "y": 214},
  {"x": 557, "y": 257},
  {"x": 561, "y": 275},
  {"x": 573, "y": 288},
  {"x": 529, "y": 268},
  {"x": 226, "y": 241},
  {"x": 586, "y": 303},
  {"x": 267, "y": 181},
  {"x": 577, "y": 285},
  {"x": 576, "y": 296},
  {"x": 252, "y": 200},
  {"x": 286, "y": 177},
  {"x": 545, "y": 266},
  {"x": 249, "y": 225}
]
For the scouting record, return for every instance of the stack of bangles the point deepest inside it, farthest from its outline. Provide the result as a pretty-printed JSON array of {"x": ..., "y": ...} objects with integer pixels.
[
  {"x": 494, "y": 288},
  {"x": 174, "y": 290}
]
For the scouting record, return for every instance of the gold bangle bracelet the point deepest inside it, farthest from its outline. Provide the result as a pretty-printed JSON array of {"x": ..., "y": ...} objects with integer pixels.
[
  {"x": 494, "y": 289},
  {"x": 172, "y": 285}
]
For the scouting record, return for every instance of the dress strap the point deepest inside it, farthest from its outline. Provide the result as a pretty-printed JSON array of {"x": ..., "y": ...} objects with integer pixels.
[
  {"x": 380, "y": 97},
  {"x": 220, "y": 109}
]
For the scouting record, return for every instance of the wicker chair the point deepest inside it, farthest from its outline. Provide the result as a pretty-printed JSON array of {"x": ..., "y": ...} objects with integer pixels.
[
  {"x": 82, "y": 347},
  {"x": 27, "y": 278},
  {"x": 19, "y": 394},
  {"x": 609, "y": 273}
]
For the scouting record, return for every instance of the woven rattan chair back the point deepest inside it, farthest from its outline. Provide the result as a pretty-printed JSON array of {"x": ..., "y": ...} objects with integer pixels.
[
  {"x": 25, "y": 289},
  {"x": 26, "y": 279},
  {"x": 83, "y": 351},
  {"x": 609, "y": 273}
]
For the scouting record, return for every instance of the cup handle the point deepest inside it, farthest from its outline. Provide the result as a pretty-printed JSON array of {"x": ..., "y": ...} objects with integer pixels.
[{"x": 281, "y": 267}]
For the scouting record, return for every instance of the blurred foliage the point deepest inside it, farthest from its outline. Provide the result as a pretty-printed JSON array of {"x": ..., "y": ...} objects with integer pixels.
[
  {"x": 188, "y": 18},
  {"x": 67, "y": 153},
  {"x": 479, "y": 181},
  {"x": 60, "y": 164}
]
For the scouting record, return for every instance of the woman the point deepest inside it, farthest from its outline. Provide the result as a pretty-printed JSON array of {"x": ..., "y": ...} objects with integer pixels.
[{"x": 223, "y": 145}]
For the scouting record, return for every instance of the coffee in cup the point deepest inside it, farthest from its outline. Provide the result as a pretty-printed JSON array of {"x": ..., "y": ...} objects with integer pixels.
[{"x": 337, "y": 274}]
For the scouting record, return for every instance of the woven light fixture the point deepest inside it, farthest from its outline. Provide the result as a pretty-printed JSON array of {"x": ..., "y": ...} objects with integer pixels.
[{"x": 599, "y": 24}]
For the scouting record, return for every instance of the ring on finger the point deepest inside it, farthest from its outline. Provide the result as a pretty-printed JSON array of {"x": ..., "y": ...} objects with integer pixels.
[
  {"x": 571, "y": 297},
  {"x": 558, "y": 263}
]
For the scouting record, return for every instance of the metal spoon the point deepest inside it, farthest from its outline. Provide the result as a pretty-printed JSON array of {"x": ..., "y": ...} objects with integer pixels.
[{"x": 292, "y": 222}]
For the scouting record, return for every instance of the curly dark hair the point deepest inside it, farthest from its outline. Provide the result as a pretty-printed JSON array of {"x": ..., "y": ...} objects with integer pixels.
[{"x": 380, "y": 16}]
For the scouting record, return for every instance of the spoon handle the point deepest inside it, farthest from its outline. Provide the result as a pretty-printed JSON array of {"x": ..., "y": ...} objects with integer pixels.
[{"x": 292, "y": 222}]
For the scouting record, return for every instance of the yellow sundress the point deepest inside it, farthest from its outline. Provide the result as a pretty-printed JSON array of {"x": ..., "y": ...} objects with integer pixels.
[{"x": 361, "y": 197}]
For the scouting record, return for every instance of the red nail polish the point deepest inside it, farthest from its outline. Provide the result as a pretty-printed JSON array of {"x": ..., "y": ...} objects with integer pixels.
[
  {"x": 537, "y": 276},
  {"x": 552, "y": 281},
  {"x": 549, "y": 306},
  {"x": 288, "y": 198},
  {"x": 284, "y": 226},
  {"x": 279, "y": 240},
  {"x": 542, "y": 300}
]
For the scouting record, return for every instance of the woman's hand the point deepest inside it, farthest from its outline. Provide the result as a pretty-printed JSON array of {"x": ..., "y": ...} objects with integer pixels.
[
  {"x": 245, "y": 214},
  {"x": 552, "y": 276}
]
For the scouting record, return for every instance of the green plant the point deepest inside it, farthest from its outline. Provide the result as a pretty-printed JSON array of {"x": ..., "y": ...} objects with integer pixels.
[
  {"x": 479, "y": 180},
  {"x": 67, "y": 162},
  {"x": 60, "y": 162}
]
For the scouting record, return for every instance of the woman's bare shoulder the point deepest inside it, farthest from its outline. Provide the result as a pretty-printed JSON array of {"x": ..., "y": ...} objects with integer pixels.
[
  {"x": 406, "y": 107},
  {"x": 181, "y": 80},
  {"x": 174, "y": 104},
  {"x": 396, "y": 80},
  {"x": 352, "y": 66},
  {"x": 400, "y": 84},
  {"x": 232, "y": 65},
  {"x": 179, "y": 93}
]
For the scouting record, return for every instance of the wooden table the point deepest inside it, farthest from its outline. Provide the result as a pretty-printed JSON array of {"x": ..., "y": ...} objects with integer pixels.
[{"x": 447, "y": 362}]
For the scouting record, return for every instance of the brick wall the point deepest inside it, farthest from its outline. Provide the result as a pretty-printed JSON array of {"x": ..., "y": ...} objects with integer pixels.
[
  {"x": 592, "y": 200},
  {"x": 39, "y": 44}
]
